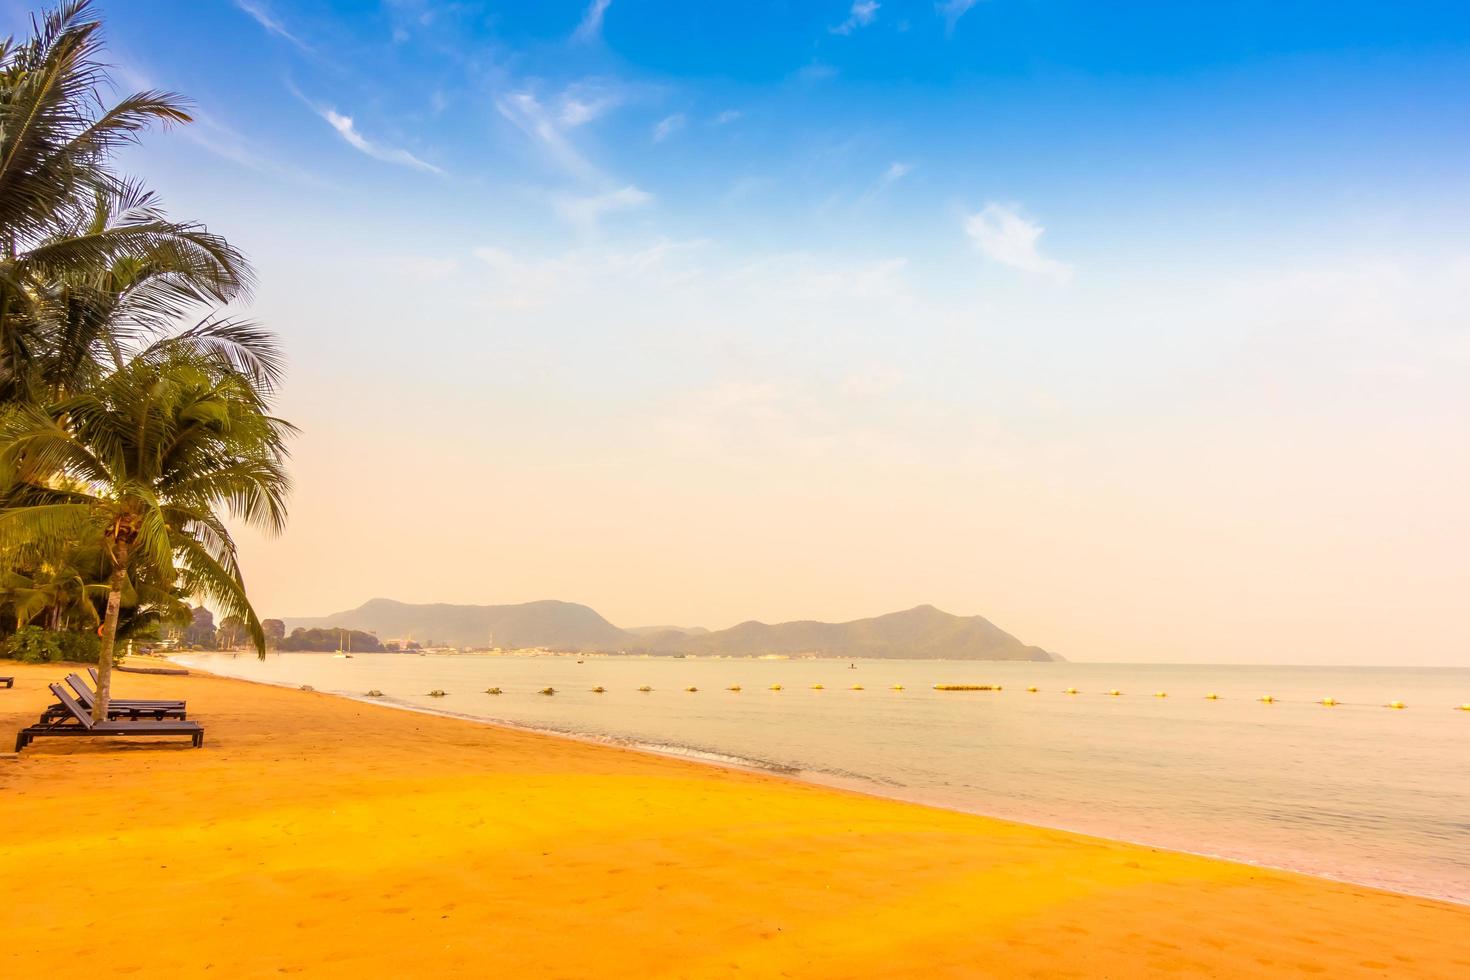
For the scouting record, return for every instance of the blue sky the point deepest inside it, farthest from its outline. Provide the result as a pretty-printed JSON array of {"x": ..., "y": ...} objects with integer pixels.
[{"x": 1137, "y": 327}]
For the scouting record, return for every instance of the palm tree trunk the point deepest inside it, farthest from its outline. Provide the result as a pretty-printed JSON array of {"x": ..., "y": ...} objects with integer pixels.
[{"x": 109, "y": 639}]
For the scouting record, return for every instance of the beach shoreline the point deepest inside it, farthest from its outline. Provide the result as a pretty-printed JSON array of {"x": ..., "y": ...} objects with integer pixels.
[
  {"x": 315, "y": 808},
  {"x": 858, "y": 784}
]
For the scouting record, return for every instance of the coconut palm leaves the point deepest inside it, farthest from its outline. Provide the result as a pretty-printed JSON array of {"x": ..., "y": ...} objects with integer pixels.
[
  {"x": 126, "y": 440},
  {"x": 152, "y": 460},
  {"x": 86, "y": 257}
]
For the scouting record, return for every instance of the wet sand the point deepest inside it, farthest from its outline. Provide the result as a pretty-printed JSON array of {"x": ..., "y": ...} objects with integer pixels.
[{"x": 318, "y": 835}]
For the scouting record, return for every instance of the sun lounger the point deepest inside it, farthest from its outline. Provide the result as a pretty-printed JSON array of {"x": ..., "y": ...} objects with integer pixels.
[
  {"x": 121, "y": 708},
  {"x": 78, "y": 723},
  {"x": 85, "y": 695},
  {"x": 7, "y": 681}
]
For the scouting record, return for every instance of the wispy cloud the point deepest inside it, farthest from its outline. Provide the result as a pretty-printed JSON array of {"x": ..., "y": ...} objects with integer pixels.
[
  {"x": 267, "y": 20},
  {"x": 519, "y": 281},
  {"x": 347, "y": 129},
  {"x": 726, "y": 117},
  {"x": 583, "y": 102},
  {"x": 528, "y": 114},
  {"x": 892, "y": 174},
  {"x": 953, "y": 10},
  {"x": 1004, "y": 236},
  {"x": 591, "y": 26},
  {"x": 584, "y": 211},
  {"x": 862, "y": 13},
  {"x": 668, "y": 126},
  {"x": 211, "y": 134}
]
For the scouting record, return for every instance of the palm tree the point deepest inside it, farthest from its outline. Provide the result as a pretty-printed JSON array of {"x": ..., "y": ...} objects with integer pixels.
[
  {"x": 57, "y": 593},
  {"x": 85, "y": 256},
  {"x": 152, "y": 458}
]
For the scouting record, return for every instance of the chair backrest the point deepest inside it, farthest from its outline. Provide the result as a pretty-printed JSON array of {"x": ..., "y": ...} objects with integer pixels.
[
  {"x": 84, "y": 693},
  {"x": 70, "y": 704}
]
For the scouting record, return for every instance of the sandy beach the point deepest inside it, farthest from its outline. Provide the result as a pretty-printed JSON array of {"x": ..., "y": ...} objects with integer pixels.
[{"x": 318, "y": 835}]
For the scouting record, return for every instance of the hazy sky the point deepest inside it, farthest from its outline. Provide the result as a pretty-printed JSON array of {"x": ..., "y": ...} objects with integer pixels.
[{"x": 1139, "y": 328}]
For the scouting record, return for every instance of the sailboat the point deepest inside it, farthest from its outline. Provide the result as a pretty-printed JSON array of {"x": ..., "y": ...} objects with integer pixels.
[{"x": 342, "y": 654}]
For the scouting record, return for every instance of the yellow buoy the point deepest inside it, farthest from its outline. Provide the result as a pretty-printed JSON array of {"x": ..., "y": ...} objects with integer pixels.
[
  {"x": 775, "y": 687},
  {"x": 898, "y": 687},
  {"x": 856, "y": 687},
  {"x": 548, "y": 690},
  {"x": 1396, "y": 704},
  {"x": 1330, "y": 702},
  {"x": 1031, "y": 689},
  {"x": 1463, "y": 707},
  {"x": 1212, "y": 697},
  {"x": 816, "y": 687},
  {"x": 645, "y": 689},
  {"x": 733, "y": 687},
  {"x": 1268, "y": 699},
  {"x": 1115, "y": 692},
  {"x": 691, "y": 690},
  {"x": 1070, "y": 690},
  {"x": 1160, "y": 694},
  {"x": 599, "y": 690}
]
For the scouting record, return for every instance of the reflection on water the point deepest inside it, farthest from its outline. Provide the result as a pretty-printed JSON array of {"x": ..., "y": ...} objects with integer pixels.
[{"x": 1356, "y": 791}]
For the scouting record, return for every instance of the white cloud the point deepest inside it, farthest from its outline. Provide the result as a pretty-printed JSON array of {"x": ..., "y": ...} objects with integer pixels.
[
  {"x": 531, "y": 117},
  {"x": 584, "y": 211},
  {"x": 728, "y": 116},
  {"x": 1003, "y": 236},
  {"x": 388, "y": 154},
  {"x": 582, "y": 102},
  {"x": 897, "y": 170},
  {"x": 953, "y": 10},
  {"x": 263, "y": 17},
  {"x": 668, "y": 126},
  {"x": 568, "y": 280},
  {"x": 591, "y": 25},
  {"x": 862, "y": 13}
]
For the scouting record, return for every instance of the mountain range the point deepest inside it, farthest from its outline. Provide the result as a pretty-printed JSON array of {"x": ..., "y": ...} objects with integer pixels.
[{"x": 921, "y": 633}]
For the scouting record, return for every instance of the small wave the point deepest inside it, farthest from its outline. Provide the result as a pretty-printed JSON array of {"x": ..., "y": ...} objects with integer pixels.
[{"x": 707, "y": 755}]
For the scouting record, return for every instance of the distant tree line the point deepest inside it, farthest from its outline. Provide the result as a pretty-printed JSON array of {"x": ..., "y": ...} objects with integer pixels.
[{"x": 330, "y": 640}]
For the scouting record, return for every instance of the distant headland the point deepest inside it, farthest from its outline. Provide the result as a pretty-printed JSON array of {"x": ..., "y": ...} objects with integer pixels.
[{"x": 921, "y": 633}]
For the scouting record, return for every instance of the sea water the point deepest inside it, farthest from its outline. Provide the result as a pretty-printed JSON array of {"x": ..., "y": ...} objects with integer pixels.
[{"x": 1358, "y": 791}]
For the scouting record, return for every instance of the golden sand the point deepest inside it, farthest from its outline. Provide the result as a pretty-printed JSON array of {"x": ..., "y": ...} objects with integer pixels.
[{"x": 317, "y": 835}]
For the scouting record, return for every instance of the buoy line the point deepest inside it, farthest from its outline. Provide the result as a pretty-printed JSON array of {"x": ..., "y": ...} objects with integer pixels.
[{"x": 1328, "y": 702}]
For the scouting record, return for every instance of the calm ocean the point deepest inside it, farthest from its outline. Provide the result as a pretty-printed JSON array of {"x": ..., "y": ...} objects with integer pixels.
[{"x": 1359, "y": 791}]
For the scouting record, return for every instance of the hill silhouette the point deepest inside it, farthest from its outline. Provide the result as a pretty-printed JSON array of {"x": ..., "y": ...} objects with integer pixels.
[{"x": 921, "y": 633}]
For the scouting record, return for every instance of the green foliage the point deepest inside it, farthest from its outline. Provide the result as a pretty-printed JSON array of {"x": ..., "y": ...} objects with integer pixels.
[
  {"x": 34, "y": 645},
  {"x": 330, "y": 640},
  {"x": 134, "y": 419},
  {"x": 87, "y": 257}
]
